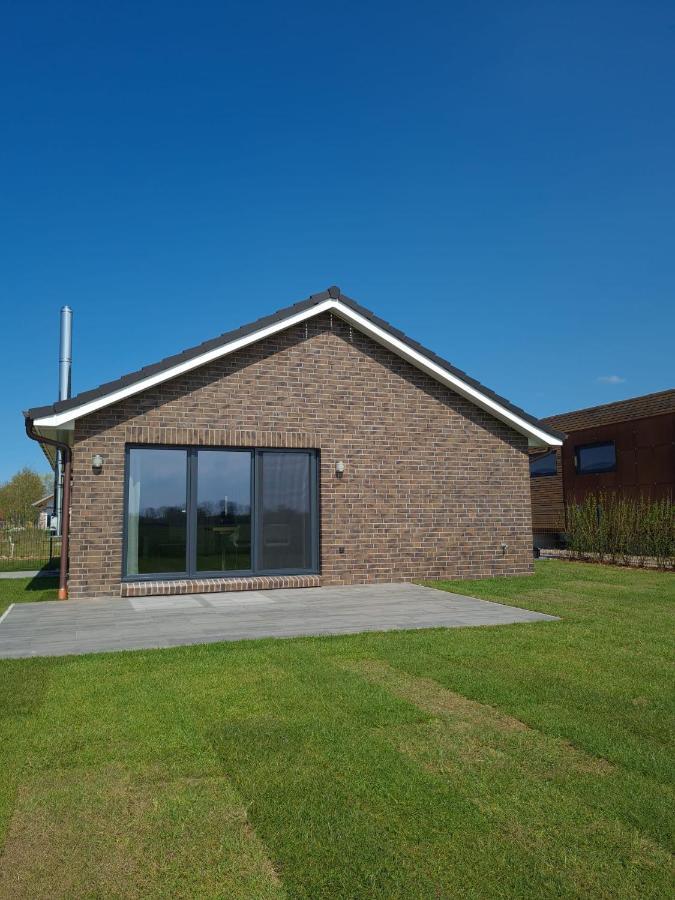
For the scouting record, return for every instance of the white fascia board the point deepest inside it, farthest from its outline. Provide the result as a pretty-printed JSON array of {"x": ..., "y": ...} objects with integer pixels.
[
  {"x": 536, "y": 436},
  {"x": 58, "y": 419}
]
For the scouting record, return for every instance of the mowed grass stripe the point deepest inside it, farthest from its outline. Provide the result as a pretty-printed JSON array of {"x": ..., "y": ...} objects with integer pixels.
[
  {"x": 337, "y": 784},
  {"x": 111, "y": 832},
  {"x": 344, "y": 813},
  {"x": 544, "y": 792}
]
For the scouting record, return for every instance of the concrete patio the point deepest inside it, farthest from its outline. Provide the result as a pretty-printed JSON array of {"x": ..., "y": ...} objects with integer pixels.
[{"x": 94, "y": 626}]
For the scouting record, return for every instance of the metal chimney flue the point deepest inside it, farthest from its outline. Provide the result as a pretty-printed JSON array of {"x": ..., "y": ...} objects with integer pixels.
[
  {"x": 65, "y": 352},
  {"x": 65, "y": 366}
]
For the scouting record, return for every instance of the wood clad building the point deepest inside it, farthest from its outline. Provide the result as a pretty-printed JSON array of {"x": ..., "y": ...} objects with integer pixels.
[{"x": 626, "y": 447}]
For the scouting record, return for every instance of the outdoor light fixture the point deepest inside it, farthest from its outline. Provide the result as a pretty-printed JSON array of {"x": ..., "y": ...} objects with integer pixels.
[
  {"x": 339, "y": 468},
  {"x": 97, "y": 461}
]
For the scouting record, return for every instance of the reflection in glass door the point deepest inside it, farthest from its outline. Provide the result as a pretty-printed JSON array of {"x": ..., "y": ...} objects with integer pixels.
[
  {"x": 223, "y": 511},
  {"x": 198, "y": 511},
  {"x": 156, "y": 535}
]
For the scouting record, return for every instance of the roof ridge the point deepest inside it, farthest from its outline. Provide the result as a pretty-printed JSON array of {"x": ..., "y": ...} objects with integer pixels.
[{"x": 332, "y": 293}]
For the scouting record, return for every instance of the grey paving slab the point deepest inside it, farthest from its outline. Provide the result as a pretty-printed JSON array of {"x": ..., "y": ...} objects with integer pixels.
[
  {"x": 30, "y": 574},
  {"x": 106, "y": 624}
]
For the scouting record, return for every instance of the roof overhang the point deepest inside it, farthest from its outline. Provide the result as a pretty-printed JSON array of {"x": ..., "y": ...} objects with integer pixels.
[
  {"x": 60, "y": 425},
  {"x": 63, "y": 434}
]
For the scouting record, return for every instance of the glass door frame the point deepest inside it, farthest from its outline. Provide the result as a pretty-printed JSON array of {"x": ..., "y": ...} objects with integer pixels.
[
  {"x": 256, "y": 454},
  {"x": 192, "y": 524},
  {"x": 153, "y": 576},
  {"x": 314, "y": 507}
]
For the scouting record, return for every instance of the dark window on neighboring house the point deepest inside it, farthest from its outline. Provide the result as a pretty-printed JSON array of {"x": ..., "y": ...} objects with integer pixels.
[
  {"x": 191, "y": 512},
  {"x": 543, "y": 465},
  {"x": 593, "y": 458}
]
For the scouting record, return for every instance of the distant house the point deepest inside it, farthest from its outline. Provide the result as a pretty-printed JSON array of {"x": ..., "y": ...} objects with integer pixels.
[
  {"x": 319, "y": 445},
  {"x": 45, "y": 508},
  {"x": 626, "y": 447}
]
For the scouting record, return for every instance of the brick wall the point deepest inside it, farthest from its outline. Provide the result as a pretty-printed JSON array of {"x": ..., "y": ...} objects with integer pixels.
[
  {"x": 548, "y": 504},
  {"x": 432, "y": 488}
]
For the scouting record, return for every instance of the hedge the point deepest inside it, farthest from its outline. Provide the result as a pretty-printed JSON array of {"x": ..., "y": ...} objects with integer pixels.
[{"x": 622, "y": 529}]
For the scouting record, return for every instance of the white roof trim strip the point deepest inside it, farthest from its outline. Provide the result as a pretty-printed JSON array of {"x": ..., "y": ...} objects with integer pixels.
[
  {"x": 439, "y": 373},
  {"x": 383, "y": 337}
]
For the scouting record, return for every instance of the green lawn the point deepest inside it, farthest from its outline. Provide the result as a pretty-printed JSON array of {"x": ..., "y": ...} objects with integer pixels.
[
  {"x": 26, "y": 590},
  {"x": 531, "y": 760}
]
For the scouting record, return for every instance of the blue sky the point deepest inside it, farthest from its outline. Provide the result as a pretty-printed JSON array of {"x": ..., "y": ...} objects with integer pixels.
[{"x": 497, "y": 179}]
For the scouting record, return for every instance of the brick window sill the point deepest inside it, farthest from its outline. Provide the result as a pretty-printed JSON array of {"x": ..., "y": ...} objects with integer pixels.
[{"x": 216, "y": 585}]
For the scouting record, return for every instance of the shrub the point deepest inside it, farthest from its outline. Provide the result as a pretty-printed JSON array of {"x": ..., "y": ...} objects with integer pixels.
[
  {"x": 18, "y": 495},
  {"x": 621, "y": 528}
]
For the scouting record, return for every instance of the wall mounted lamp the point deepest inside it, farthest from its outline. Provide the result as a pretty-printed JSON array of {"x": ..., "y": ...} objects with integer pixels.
[
  {"x": 339, "y": 468},
  {"x": 97, "y": 462}
]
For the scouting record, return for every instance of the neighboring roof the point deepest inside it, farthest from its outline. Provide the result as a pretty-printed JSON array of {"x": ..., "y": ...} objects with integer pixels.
[
  {"x": 43, "y": 500},
  {"x": 60, "y": 415},
  {"x": 659, "y": 404}
]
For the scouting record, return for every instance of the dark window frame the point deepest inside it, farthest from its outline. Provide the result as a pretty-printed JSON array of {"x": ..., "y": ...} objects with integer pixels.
[
  {"x": 543, "y": 456},
  {"x": 193, "y": 465},
  {"x": 579, "y": 447},
  {"x": 191, "y": 572},
  {"x": 257, "y": 513},
  {"x": 164, "y": 576}
]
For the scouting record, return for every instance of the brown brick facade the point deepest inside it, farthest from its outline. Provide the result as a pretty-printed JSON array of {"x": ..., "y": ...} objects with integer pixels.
[{"x": 433, "y": 486}]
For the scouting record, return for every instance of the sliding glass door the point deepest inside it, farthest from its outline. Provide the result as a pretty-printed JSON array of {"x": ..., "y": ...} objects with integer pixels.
[
  {"x": 224, "y": 488},
  {"x": 194, "y": 512},
  {"x": 285, "y": 511},
  {"x": 156, "y": 532}
]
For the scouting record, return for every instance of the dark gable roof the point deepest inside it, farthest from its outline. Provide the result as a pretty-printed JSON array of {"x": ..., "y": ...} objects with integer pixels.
[
  {"x": 659, "y": 404},
  {"x": 333, "y": 293}
]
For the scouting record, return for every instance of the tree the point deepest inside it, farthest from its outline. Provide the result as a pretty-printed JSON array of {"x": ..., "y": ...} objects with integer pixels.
[{"x": 17, "y": 496}]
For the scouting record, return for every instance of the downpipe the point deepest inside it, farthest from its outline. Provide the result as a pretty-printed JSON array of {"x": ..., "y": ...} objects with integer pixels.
[{"x": 66, "y": 455}]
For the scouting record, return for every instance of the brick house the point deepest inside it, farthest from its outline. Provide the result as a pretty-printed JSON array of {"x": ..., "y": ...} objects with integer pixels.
[{"x": 318, "y": 445}]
